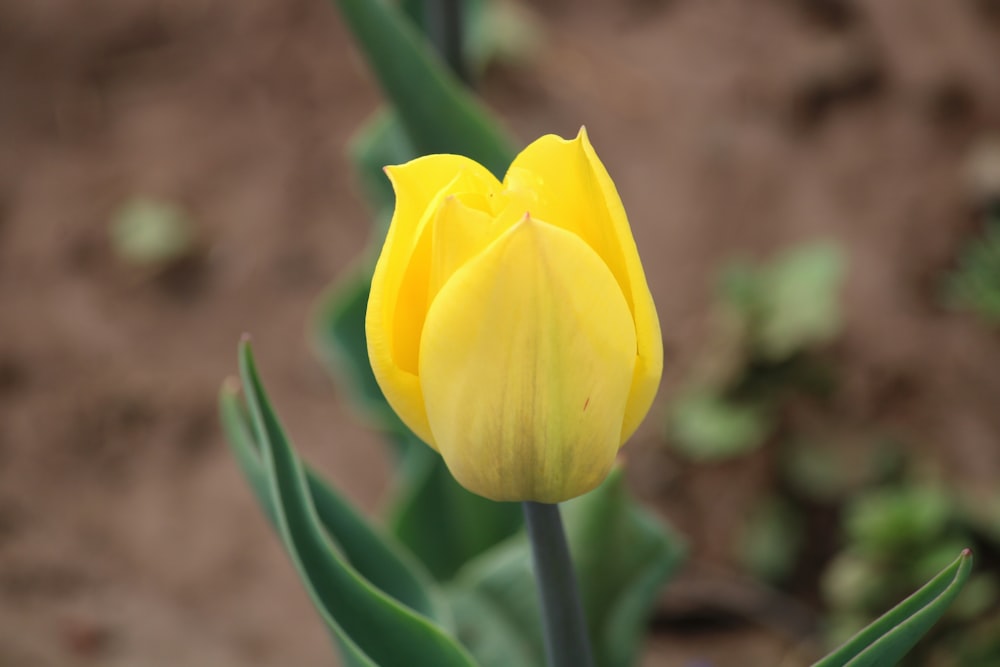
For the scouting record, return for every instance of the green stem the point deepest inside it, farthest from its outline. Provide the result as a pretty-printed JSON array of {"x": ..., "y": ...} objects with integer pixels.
[{"x": 566, "y": 641}]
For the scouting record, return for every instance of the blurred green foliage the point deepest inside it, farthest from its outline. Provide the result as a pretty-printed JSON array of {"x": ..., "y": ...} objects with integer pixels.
[
  {"x": 707, "y": 426},
  {"x": 895, "y": 535},
  {"x": 769, "y": 318},
  {"x": 974, "y": 285},
  {"x": 495, "y": 31},
  {"x": 885, "y": 524},
  {"x": 788, "y": 305}
]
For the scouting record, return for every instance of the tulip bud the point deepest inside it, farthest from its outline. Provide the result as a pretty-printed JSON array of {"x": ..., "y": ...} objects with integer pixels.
[{"x": 510, "y": 325}]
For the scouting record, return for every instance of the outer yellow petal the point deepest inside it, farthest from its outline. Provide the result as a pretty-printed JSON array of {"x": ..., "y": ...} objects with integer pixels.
[
  {"x": 526, "y": 366},
  {"x": 398, "y": 299},
  {"x": 573, "y": 190},
  {"x": 649, "y": 341}
]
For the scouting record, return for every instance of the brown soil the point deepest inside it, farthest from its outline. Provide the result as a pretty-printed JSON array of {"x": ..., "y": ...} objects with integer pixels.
[{"x": 126, "y": 533}]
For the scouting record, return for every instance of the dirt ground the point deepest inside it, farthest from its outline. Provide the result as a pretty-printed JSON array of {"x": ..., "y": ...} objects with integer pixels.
[{"x": 126, "y": 533}]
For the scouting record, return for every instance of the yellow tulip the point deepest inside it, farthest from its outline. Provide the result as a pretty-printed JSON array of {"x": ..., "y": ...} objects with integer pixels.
[{"x": 510, "y": 325}]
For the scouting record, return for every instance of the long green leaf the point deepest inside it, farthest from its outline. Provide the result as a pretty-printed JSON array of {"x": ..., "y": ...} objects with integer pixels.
[
  {"x": 889, "y": 638},
  {"x": 386, "y": 632},
  {"x": 374, "y": 555},
  {"x": 243, "y": 445},
  {"x": 241, "y": 439},
  {"x": 439, "y": 115}
]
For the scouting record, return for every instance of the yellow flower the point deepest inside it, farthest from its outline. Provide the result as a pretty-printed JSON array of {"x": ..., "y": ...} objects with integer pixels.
[{"x": 510, "y": 325}]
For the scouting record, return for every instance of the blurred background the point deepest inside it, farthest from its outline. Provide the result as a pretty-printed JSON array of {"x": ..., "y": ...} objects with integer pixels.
[{"x": 813, "y": 186}]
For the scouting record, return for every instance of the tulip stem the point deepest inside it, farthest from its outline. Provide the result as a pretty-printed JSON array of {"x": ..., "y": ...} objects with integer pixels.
[{"x": 566, "y": 641}]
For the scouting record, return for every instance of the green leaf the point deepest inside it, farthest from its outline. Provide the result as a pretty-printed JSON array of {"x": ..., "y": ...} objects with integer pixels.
[
  {"x": 708, "y": 427},
  {"x": 790, "y": 303},
  {"x": 381, "y": 141},
  {"x": 441, "y": 522},
  {"x": 494, "y": 31},
  {"x": 439, "y": 115},
  {"x": 372, "y": 554},
  {"x": 338, "y": 336},
  {"x": 360, "y": 616},
  {"x": 888, "y": 639},
  {"x": 149, "y": 232},
  {"x": 975, "y": 283},
  {"x": 501, "y": 31},
  {"x": 622, "y": 556},
  {"x": 801, "y": 291},
  {"x": 243, "y": 445},
  {"x": 495, "y": 604},
  {"x": 771, "y": 540},
  {"x": 897, "y": 518},
  {"x": 854, "y": 583}
]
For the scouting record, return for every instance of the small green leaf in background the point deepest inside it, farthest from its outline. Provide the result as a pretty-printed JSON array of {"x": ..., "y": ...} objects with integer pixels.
[
  {"x": 495, "y": 31},
  {"x": 767, "y": 320},
  {"x": 502, "y": 31},
  {"x": 622, "y": 556},
  {"x": 889, "y": 638},
  {"x": 358, "y": 614},
  {"x": 790, "y": 303},
  {"x": 827, "y": 469},
  {"x": 148, "y": 232},
  {"x": 771, "y": 540},
  {"x": 852, "y": 583},
  {"x": 894, "y": 518},
  {"x": 706, "y": 427},
  {"x": 801, "y": 307},
  {"x": 975, "y": 283}
]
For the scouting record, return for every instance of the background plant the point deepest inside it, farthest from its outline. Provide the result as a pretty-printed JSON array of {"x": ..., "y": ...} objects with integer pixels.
[{"x": 878, "y": 515}]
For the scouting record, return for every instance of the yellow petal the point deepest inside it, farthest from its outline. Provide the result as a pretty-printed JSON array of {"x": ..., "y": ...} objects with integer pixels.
[
  {"x": 649, "y": 341},
  {"x": 573, "y": 191},
  {"x": 398, "y": 300},
  {"x": 526, "y": 366},
  {"x": 460, "y": 233}
]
